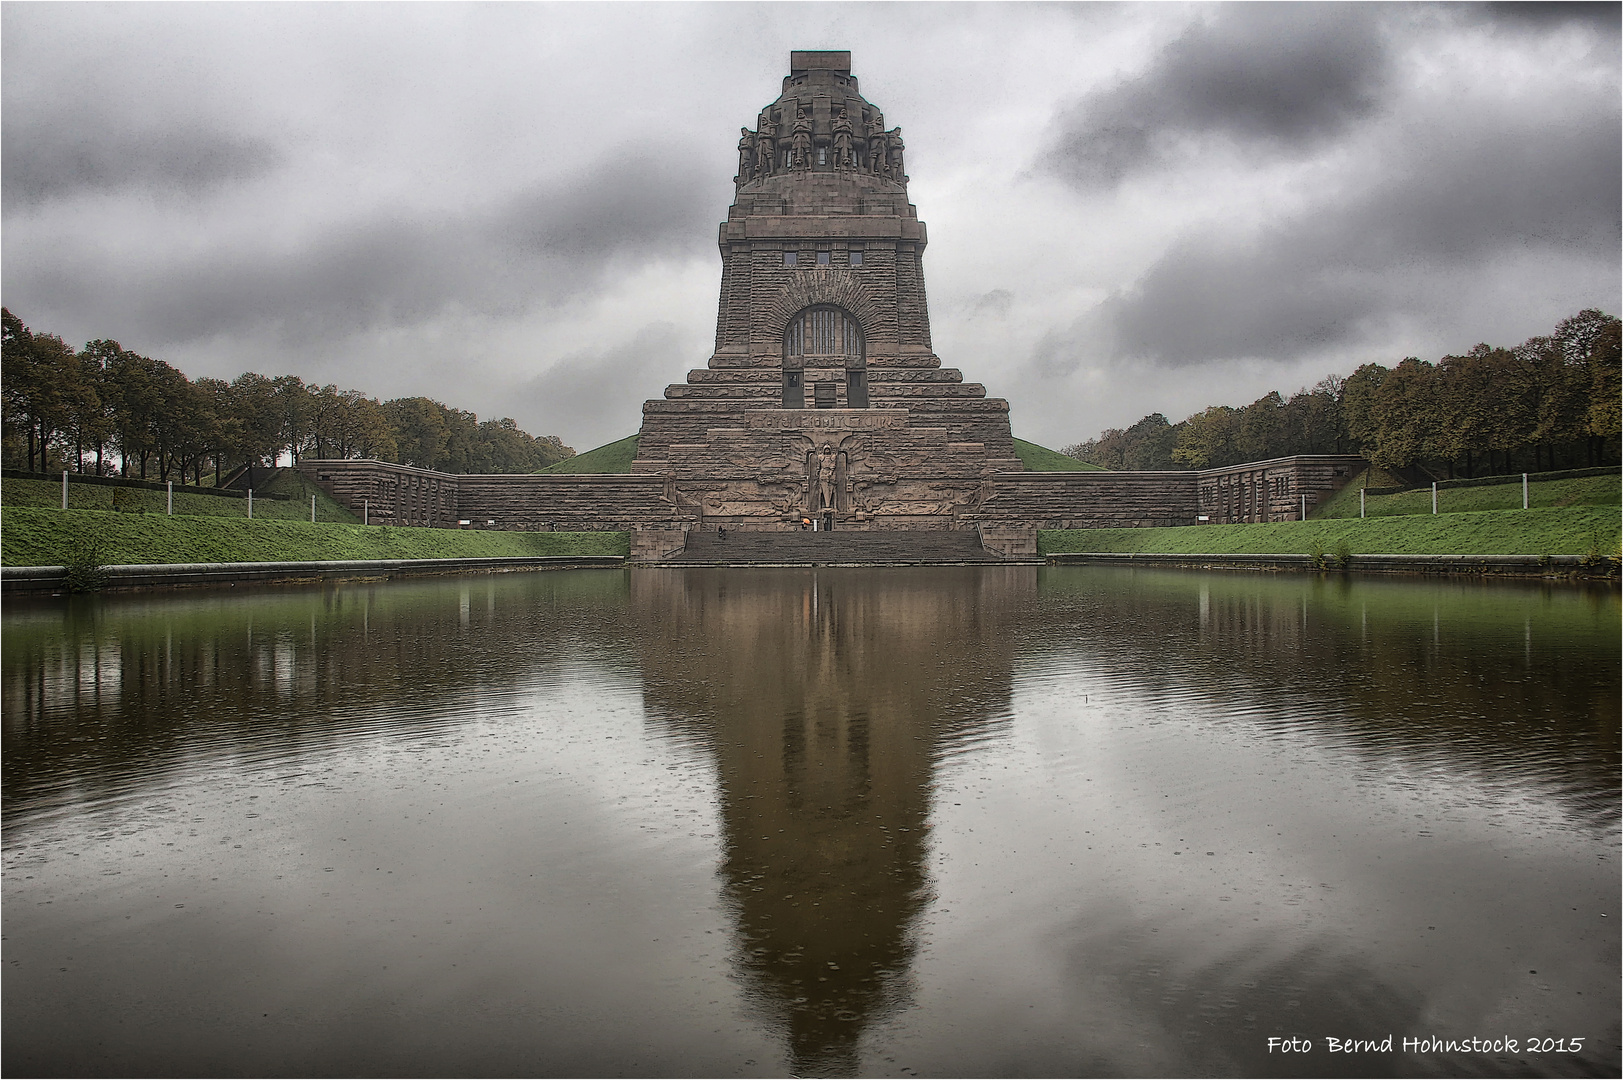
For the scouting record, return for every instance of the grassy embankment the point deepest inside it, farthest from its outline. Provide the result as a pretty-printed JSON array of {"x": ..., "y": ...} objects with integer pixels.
[
  {"x": 1041, "y": 459},
  {"x": 34, "y": 531},
  {"x": 614, "y": 457},
  {"x": 1568, "y": 517}
]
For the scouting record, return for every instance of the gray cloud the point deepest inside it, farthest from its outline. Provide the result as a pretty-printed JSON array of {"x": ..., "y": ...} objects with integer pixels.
[
  {"x": 388, "y": 268},
  {"x": 596, "y": 395},
  {"x": 1547, "y": 14},
  {"x": 1281, "y": 77},
  {"x": 440, "y": 199},
  {"x": 1322, "y": 277},
  {"x": 65, "y": 156},
  {"x": 995, "y": 305}
]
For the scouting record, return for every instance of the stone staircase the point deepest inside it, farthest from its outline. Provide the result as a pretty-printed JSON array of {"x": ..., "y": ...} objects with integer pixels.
[{"x": 920, "y": 547}]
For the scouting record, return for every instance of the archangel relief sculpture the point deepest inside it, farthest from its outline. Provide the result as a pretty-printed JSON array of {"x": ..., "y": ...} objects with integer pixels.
[{"x": 828, "y": 462}]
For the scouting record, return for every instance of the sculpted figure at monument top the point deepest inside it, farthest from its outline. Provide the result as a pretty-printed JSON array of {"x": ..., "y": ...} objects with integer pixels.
[
  {"x": 766, "y": 145},
  {"x": 800, "y": 142},
  {"x": 877, "y": 144},
  {"x": 843, "y": 154},
  {"x": 746, "y": 155},
  {"x": 893, "y": 149}
]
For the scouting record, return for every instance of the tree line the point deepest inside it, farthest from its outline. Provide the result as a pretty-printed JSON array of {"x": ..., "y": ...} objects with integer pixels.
[
  {"x": 104, "y": 409},
  {"x": 1551, "y": 402}
]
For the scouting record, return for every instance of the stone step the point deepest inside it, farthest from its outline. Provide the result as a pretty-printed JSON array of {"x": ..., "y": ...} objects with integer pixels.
[{"x": 796, "y": 548}]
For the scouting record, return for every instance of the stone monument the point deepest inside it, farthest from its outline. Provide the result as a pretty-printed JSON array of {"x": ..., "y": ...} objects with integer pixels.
[{"x": 823, "y": 397}]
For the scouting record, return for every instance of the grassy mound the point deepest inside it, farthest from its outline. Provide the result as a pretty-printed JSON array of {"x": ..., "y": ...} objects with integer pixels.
[
  {"x": 31, "y": 536},
  {"x": 616, "y": 457},
  {"x": 1041, "y": 459},
  {"x": 1575, "y": 530}
]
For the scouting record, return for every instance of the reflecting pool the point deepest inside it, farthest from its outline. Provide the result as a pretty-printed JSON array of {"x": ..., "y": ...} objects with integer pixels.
[{"x": 929, "y": 821}]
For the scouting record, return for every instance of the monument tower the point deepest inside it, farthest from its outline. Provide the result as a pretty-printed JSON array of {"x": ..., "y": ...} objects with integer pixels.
[{"x": 823, "y": 398}]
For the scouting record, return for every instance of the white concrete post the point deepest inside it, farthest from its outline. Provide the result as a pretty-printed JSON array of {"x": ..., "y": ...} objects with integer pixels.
[
  {"x": 250, "y": 504},
  {"x": 312, "y": 509},
  {"x": 64, "y": 489},
  {"x": 1434, "y": 496},
  {"x": 1524, "y": 491},
  {"x": 169, "y": 498},
  {"x": 1360, "y": 502},
  {"x": 366, "y": 511},
  {"x": 1304, "y": 507}
]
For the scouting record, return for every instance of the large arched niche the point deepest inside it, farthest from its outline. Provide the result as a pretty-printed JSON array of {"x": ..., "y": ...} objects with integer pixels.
[{"x": 823, "y": 336}]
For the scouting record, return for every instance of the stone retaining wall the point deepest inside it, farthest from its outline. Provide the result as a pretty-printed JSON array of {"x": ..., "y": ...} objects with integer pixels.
[{"x": 953, "y": 490}]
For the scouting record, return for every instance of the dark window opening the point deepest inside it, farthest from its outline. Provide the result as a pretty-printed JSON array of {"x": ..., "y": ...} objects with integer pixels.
[
  {"x": 823, "y": 337},
  {"x": 856, "y": 389}
]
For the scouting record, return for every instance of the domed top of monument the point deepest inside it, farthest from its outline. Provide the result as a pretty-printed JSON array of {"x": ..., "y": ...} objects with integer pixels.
[{"x": 821, "y": 133}]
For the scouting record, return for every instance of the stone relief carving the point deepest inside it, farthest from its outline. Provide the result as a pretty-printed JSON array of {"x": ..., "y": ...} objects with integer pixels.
[
  {"x": 752, "y": 500},
  {"x": 828, "y": 462}
]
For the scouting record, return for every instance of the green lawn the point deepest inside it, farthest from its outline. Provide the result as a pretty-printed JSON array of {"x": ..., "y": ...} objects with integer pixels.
[
  {"x": 616, "y": 457},
  {"x": 48, "y": 493},
  {"x": 1579, "y": 491},
  {"x": 32, "y": 536},
  {"x": 1573, "y": 530},
  {"x": 1041, "y": 459}
]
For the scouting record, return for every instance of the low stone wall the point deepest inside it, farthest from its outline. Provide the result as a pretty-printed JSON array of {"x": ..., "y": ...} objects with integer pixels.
[
  {"x": 1262, "y": 491},
  {"x": 691, "y": 487},
  {"x": 1573, "y": 567},
  {"x": 389, "y": 494},
  {"x": 1089, "y": 500}
]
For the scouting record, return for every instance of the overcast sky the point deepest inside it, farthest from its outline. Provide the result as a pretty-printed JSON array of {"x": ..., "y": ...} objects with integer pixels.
[{"x": 513, "y": 207}]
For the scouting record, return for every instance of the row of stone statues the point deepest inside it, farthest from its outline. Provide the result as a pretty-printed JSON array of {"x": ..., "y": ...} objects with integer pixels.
[{"x": 758, "y": 150}]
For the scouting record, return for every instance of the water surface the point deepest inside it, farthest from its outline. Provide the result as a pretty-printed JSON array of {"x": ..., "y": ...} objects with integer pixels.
[{"x": 955, "y": 821}]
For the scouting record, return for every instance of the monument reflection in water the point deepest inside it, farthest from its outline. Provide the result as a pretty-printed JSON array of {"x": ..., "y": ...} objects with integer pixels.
[
  {"x": 978, "y": 821},
  {"x": 826, "y": 696}
]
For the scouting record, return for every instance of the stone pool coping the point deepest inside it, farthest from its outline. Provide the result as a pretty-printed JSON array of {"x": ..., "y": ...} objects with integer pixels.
[
  {"x": 49, "y": 579},
  {"x": 1535, "y": 566}
]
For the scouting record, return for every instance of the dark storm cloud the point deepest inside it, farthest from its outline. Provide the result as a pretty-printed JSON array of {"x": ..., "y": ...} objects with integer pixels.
[
  {"x": 1327, "y": 275},
  {"x": 68, "y": 155},
  {"x": 1546, "y": 14},
  {"x": 1281, "y": 77},
  {"x": 388, "y": 269}
]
